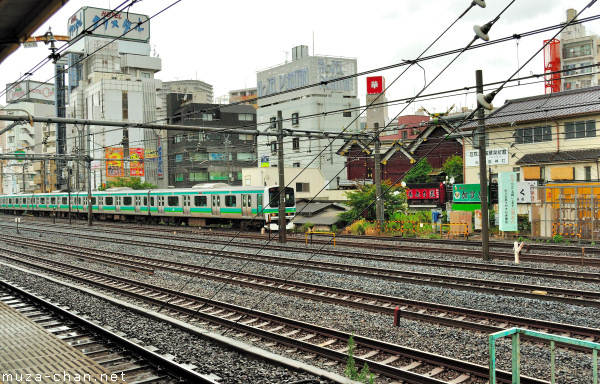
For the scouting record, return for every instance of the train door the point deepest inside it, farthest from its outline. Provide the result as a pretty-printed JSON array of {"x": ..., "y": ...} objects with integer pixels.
[
  {"x": 118, "y": 204},
  {"x": 247, "y": 205},
  {"x": 161, "y": 205},
  {"x": 259, "y": 205},
  {"x": 216, "y": 205},
  {"x": 138, "y": 203},
  {"x": 186, "y": 205}
]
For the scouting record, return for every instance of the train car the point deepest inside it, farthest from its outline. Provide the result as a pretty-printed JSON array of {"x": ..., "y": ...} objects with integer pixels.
[
  {"x": 203, "y": 204},
  {"x": 426, "y": 195}
]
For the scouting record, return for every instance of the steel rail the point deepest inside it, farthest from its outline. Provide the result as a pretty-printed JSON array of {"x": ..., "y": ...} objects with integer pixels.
[{"x": 200, "y": 307}]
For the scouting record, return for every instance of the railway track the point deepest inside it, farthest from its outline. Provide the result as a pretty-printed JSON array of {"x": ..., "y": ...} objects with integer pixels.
[
  {"x": 390, "y": 360},
  {"x": 588, "y": 277},
  {"x": 574, "y": 297},
  {"x": 112, "y": 351},
  {"x": 481, "y": 321},
  {"x": 383, "y": 243}
]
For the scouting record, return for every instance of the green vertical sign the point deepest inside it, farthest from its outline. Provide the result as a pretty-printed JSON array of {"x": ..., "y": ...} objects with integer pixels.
[{"x": 507, "y": 200}]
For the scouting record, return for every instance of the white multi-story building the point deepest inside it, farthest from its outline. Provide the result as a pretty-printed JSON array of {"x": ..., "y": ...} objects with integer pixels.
[
  {"x": 330, "y": 108},
  {"x": 36, "y": 99},
  {"x": 114, "y": 82},
  {"x": 580, "y": 49}
]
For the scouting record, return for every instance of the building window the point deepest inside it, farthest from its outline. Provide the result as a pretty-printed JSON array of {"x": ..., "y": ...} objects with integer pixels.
[
  {"x": 518, "y": 172},
  {"x": 296, "y": 165},
  {"x": 533, "y": 134},
  {"x": 580, "y": 129},
  {"x": 198, "y": 156},
  {"x": 198, "y": 176},
  {"x": 207, "y": 116},
  {"x": 245, "y": 117},
  {"x": 273, "y": 146},
  {"x": 244, "y": 156},
  {"x": 347, "y": 113},
  {"x": 295, "y": 119},
  {"x": 273, "y": 123},
  {"x": 178, "y": 158},
  {"x": 588, "y": 173},
  {"x": 179, "y": 177},
  {"x": 404, "y": 134},
  {"x": 296, "y": 143},
  {"x": 192, "y": 137},
  {"x": 214, "y": 136},
  {"x": 244, "y": 137},
  {"x": 302, "y": 187},
  {"x": 125, "y": 105},
  {"x": 145, "y": 75}
]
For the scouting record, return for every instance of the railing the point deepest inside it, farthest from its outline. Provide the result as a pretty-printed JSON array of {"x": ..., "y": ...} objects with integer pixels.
[
  {"x": 516, "y": 353},
  {"x": 317, "y": 232}
]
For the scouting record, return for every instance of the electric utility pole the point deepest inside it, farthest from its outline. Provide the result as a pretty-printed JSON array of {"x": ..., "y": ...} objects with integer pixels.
[{"x": 281, "y": 223}]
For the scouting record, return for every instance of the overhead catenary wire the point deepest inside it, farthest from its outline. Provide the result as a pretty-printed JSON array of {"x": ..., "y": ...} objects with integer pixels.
[{"x": 321, "y": 152}]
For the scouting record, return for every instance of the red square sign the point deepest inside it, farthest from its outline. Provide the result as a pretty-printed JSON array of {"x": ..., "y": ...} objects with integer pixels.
[{"x": 375, "y": 84}]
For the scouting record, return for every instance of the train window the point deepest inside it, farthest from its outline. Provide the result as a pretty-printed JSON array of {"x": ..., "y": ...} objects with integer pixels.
[
  {"x": 42, "y": 200},
  {"x": 249, "y": 201},
  {"x": 9, "y": 201},
  {"x": 145, "y": 200},
  {"x": 127, "y": 200},
  {"x": 244, "y": 200},
  {"x": 200, "y": 201},
  {"x": 108, "y": 200},
  {"x": 64, "y": 200},
  {"x": 259, "y": 200},
  {"x": 94, "y": 200},
  {"x": 152, "y": 201},
  {"x": 230, "y": 201},
  {"x": 173, "y": 201},
  {"x": 53, "y": 200}
]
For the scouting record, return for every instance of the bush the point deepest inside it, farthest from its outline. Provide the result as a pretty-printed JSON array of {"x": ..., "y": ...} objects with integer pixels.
[
  {"x": 558, "y": 239},
  {"x": 523, "y": 223},
  {"x": 306, "y": 227}
]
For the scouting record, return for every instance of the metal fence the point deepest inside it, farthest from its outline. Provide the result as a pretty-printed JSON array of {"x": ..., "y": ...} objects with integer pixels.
[{"x": 571, "y": 211}]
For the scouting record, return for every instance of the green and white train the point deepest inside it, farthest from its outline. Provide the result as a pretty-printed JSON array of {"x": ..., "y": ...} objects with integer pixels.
[{"x": 203, "y": 204}]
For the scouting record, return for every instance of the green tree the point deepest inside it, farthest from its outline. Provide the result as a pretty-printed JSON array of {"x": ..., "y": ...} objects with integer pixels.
[
  {"x": 362, "y": 202},
  {"x": 133, "y": 183},
  {"x": 453, "y": 167},
  {"x": 419, "y": 173}
]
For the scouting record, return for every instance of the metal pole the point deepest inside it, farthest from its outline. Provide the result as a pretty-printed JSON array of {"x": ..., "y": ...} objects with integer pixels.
[
  {"x": 282, "y": 221},
  {"x": 485, "y": 235},
  {"x": 69, "y": 190},
  {"x": 378, "y": 196},
  {"x": 89, "y": 180},
  {"x": 23, "y": 177},
  {"x": 43, "y": 176}
]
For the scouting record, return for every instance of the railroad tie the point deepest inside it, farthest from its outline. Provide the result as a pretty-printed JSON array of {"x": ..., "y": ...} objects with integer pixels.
[
  {"x": 369, "y": 354},
  {"x": 412, "y": 365},
  {"x": 460, "y": 379}
]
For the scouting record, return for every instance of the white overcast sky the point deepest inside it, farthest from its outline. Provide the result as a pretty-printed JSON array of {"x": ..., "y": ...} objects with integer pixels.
[{"x": 225, "y": 43}]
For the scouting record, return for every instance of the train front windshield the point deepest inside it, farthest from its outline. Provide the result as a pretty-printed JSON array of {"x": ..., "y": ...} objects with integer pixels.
[{"x": 274, "y": 197}]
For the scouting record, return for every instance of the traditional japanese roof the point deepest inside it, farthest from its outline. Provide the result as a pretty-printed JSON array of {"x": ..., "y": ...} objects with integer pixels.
[
  {"x": 343, "y": 151},
  {"x": 559, "y": 157},
  {"x": 544, "y": 107}
]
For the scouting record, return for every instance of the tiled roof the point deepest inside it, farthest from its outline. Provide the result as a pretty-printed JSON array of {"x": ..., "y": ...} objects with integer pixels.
[
  {"x": 559, "y": 157},
  {"x": 543, "y": 107}
]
